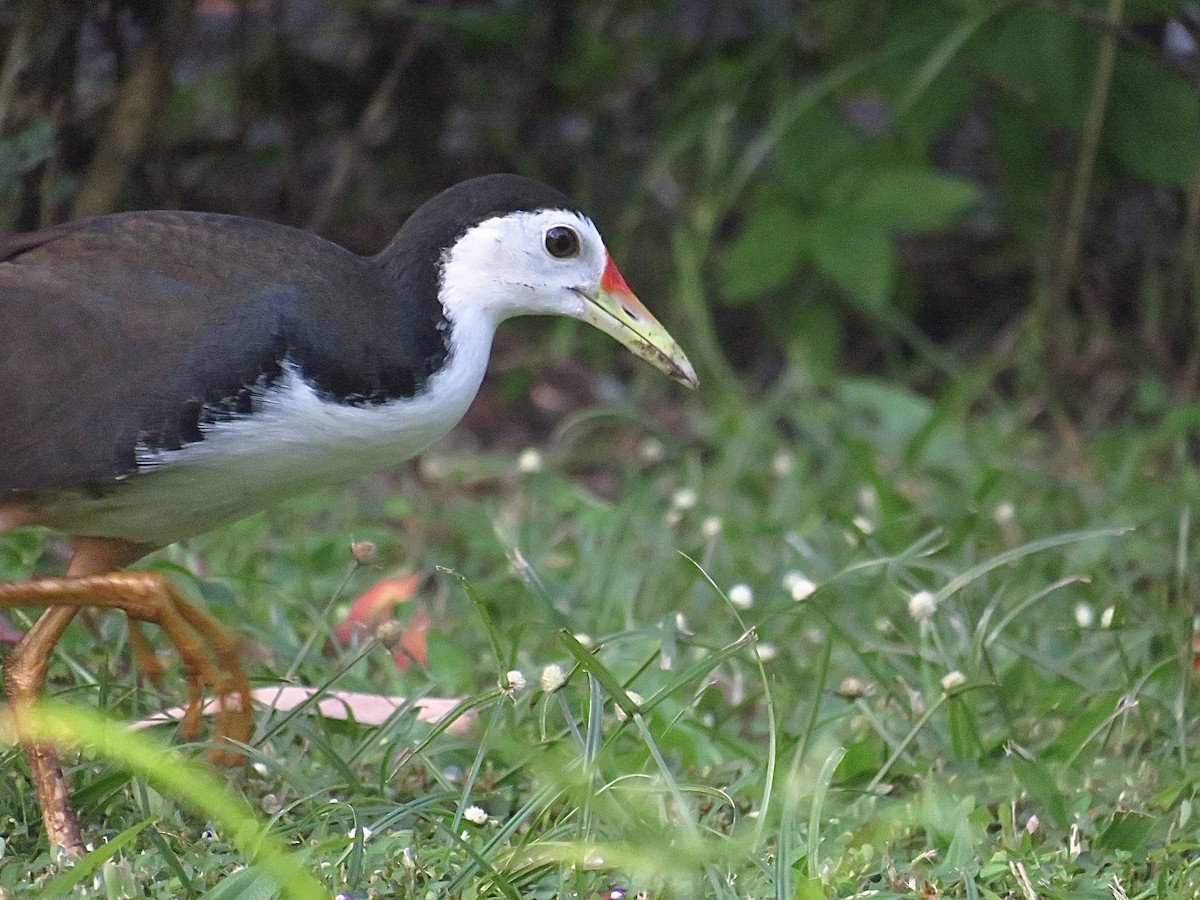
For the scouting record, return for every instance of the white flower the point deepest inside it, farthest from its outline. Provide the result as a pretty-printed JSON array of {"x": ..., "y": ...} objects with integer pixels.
[
  {"x": 765, "y": 652},
  {"x": 711, "y": 527},
  {"x": 1004, "y": 512},
  {"x": 952, "y": 680},
  {"x": 514, "y": 682},
  {"x": 586, "y": 639},
  {"x": 922, "y": 605},
  {"x": 798, "y": 585},
  {"x": 1085, "y": 615},
  {"x": 552, "y": 678},
  {"x": 781, "y": 463},
  {"x": 637, "y": 699},
  {"x": 652, "y": 450},
  {"x": 476, "y": 815},
  {"x": 530, "y": 461},
  {"x": 684, "y": 498},
  {"x": 741, "y": 596},
  {"x": 863, "y": 524},
  {"x": 1106, "y": 617}
]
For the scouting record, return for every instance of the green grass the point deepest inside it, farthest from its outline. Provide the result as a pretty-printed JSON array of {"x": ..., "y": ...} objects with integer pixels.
[{"x": 1033, "y": 735}]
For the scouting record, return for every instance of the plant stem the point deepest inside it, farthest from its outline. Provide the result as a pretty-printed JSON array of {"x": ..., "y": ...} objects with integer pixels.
[{"x": 1045, "y": 335}]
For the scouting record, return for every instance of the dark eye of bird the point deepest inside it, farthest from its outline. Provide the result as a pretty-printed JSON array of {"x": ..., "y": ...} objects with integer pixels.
[{"x": 562, "y": 242}]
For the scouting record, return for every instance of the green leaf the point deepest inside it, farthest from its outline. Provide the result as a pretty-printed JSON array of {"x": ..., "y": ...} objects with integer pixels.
[
  {"x": 765, "y": 255},
  {"x": 858, "y": 261},
  {"x": 814, "y": 336},
  {"x": 1039, "y": 782},
  {"x": 1047, "y": 61},
  {"x": 28, "y": 148},
  {"x": 960, "y": 855},
  {"x": 248, "y": 884},
  {"x": 861, "y": 761},
  {"x": 909, "y": 199},
  {"x": 893, "y": 415},
  {"x": 1153, "y": 123},
  {"x": 817, "y": 148},
  {"x": 1128, "y": 831},
  {"x": 810, "y": 889}
]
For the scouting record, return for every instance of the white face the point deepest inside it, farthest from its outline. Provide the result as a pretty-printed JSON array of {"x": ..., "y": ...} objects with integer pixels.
[{"x": 524, "y": 263}]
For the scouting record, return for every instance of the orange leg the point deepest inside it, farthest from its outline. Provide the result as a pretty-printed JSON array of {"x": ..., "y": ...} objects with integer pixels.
[
  {"x": 209, "y": 655},
  {"x": 149, "y": 665},
  {"x": 24, "y": 672}
]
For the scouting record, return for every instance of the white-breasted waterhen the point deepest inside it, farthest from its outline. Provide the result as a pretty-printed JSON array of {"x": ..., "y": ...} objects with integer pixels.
[{"x": 164, "y": 373}]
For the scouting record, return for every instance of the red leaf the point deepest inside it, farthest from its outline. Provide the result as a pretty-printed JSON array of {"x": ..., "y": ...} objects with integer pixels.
[
  {"x": 412, "y": 642},
  {"x": 371, "y": 608}
]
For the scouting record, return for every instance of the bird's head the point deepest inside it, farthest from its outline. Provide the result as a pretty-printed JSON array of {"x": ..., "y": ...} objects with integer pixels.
[{"x": 529, "y": 252}]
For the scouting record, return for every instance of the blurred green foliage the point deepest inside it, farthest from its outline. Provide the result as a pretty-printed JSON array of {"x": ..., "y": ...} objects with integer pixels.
[{"x": 906, "y": 187}]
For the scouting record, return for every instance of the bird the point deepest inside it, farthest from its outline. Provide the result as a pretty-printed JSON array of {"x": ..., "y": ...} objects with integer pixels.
[{"x": 163, "y": 373}]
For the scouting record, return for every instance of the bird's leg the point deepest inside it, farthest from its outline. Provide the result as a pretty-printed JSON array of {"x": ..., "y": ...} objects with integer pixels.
[
  {"x": 152, "y": 597},
  {"x": 148, "y": 662},
  {"x": 145, "y": 597},
  {"x": 24, "y": 673},
  {"x": 236, "y": 722}
]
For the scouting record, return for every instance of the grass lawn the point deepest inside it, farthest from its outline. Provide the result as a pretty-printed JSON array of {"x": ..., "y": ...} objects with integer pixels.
[{"x": 838, "y": 642}]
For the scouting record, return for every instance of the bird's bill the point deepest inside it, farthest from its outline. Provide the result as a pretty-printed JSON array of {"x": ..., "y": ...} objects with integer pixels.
[{"x": 619, "y": 314}]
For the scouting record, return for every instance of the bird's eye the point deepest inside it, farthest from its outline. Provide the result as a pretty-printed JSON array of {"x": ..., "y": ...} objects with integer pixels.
[{"x": 562, "y": 242}]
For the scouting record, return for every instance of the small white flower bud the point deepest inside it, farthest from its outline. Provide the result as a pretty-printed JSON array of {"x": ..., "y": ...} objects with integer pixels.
[
  {"x": 952, "y": 680},
  {"x": 476, "y": 815},
  {"x": 741, "y": 596},
  {"x": 552, "y": 678},
  {"x": 922, "y": 605}
]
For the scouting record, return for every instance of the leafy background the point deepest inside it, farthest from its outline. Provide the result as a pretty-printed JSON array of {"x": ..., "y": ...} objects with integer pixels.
[
  {"x": 937, "y": 265},
  {"x": 869, "y": 184}
]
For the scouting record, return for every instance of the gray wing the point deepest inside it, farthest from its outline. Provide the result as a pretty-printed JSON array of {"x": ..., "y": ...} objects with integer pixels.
[{"x": 137, "y": 328}]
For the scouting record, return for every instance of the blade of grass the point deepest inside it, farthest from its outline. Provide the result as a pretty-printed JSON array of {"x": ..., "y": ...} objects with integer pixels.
[
  {"x": 824, "y": 779},
  {"x": 481, "y": 611},
  {"x": 668, "y": 777},
  {"x": 590, "y": 664},
  {"x": 192, "y": 784},
  {"x": 464, "y": 797},
  {"x": 768, "y": 704},
  {"x": 1017, "y": 553}
]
